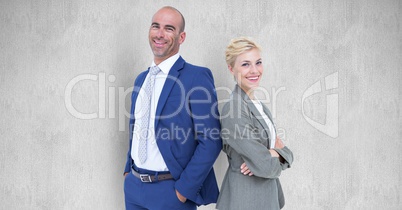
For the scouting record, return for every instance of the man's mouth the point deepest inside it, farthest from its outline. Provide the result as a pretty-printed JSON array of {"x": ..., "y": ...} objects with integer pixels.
[{"x": 159, "y": 43}]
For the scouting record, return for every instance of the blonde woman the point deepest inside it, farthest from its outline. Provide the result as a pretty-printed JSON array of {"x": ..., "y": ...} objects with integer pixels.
[{"x": 256, "y": 155}]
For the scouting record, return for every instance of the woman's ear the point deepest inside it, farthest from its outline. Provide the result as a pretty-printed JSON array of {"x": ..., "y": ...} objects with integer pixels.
[
  {"x": 230, "y": 69},
  {"x": 232, "y": 72}
]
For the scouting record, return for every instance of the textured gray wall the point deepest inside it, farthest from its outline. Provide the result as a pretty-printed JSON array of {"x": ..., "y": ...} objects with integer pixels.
[{"x": 67, "y": 68}]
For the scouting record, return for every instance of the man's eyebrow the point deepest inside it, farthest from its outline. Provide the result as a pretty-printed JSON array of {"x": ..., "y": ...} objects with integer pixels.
[
  {"x": 170, "y": 26},
  {"x": 166, "y": 26}
]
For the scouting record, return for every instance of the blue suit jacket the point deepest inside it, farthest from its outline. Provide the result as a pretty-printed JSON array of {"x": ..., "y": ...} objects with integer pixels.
[{"x": 187, "y": 129}]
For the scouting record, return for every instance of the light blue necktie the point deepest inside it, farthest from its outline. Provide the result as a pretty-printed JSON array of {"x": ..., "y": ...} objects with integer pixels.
[{"x": 145, "y": 110}]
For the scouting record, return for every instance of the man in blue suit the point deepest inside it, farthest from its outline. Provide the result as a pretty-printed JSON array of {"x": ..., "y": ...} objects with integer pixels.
[{"x": 174, "y": 126}]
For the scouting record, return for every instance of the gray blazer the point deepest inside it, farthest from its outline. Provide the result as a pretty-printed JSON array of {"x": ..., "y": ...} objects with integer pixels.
[{"x": 245, "y": 138}]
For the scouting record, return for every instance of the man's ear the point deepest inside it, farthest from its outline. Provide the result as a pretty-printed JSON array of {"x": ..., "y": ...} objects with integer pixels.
[{"x": 182, "y": 37}]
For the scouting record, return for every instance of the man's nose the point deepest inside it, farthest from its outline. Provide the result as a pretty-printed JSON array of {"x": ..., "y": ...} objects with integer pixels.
[{"x": 160, "y": 33}]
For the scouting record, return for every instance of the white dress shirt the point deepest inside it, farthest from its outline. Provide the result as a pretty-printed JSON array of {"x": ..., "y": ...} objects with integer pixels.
[
  {"x": 270, "y": 124},
  {"x": 154, "y": 159}
]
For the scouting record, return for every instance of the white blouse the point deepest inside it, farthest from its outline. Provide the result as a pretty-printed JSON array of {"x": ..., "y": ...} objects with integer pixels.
[{"x": 270, "y": 124}]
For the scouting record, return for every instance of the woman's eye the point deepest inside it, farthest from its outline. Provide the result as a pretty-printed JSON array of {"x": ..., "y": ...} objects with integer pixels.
[
  {"x": 259, "y": 62},
  {"x": 245, "y": 64}
]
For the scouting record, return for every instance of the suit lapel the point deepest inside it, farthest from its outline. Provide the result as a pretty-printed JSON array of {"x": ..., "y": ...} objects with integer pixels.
[
  {"x": 136, "y": 91},
  {"x": 260, "y": 119},
  {"x": 268, "y": 113},
  {"x": 254, "y": 111},
  {"x": 167, "y": 87}
]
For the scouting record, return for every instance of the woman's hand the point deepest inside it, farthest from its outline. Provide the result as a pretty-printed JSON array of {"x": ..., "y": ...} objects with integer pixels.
[
  {"x": 245, "y": 170},
  {"x": 273, "y": 153},
  {"x": 279, "y": 143}
]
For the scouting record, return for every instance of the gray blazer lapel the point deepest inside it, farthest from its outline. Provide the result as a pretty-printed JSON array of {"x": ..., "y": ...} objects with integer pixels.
[
  {"x": 255, "y": 111},
  {"x": 268, "y": 113}
]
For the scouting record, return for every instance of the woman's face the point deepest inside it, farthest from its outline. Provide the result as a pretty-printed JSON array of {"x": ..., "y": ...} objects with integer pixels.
[{"x": 247, "y": 70}]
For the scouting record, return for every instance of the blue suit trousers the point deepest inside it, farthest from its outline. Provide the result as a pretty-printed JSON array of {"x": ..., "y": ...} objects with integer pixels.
[{"x": 159, "y": 195}]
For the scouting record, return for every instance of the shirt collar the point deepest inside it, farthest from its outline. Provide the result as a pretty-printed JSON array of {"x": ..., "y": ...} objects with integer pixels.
[{"x": 167, "y": 64}]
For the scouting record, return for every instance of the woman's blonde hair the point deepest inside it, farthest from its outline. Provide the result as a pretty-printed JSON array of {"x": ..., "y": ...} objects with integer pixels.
[{"x": 238, "y": 46}]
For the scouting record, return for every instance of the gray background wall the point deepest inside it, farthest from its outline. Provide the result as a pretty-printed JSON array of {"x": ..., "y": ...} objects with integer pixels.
[{"x": 53, "y": 158}]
